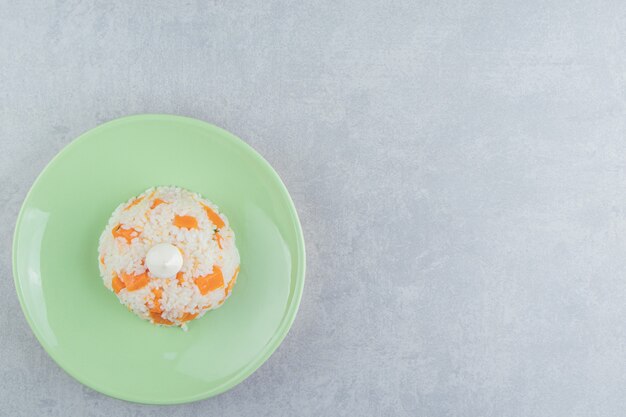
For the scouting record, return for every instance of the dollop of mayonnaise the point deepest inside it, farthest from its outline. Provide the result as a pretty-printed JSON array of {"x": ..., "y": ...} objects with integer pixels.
[{"x": 164, "y": 260}]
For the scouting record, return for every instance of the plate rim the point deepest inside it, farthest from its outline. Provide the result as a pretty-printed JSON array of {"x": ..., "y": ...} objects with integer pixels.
[{"x": 290, "y": 312}]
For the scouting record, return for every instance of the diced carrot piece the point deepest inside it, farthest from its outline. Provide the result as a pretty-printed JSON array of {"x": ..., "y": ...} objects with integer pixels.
[
  {"x": 135, "y": 282},
  {"x": 102, "y": 260},
  {"x": 210, "y": 281},
  {"x": 188, "y": 316},
  {"x": 156, "y": 317},
  {"x": 213, "y": 216},
  {"x": 188, "y": 222},
  {"x": 218, "y": 239},
  {"x": 119, "y": 231},
  {"x": 156, "y": 202},
  {"x": 180, "y": 278},
  {"x": 117, "y": 284},
  {"x": 157, "y": 300},
  {"x": 134, "y": 203},
  {"x": 231, "y": 283}
]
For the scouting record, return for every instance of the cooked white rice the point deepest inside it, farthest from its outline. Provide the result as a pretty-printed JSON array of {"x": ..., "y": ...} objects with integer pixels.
[{"x": 196, "y": 227}]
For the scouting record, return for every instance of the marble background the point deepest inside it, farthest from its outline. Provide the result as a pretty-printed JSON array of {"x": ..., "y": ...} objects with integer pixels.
[{"x": 458, "y": 166}]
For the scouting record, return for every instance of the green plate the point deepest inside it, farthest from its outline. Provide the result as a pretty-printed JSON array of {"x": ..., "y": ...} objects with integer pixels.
[{"x": 82, "y": 325}]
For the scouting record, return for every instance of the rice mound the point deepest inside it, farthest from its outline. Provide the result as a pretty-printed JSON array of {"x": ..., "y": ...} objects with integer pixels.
[{"x": 192, "y": 224}]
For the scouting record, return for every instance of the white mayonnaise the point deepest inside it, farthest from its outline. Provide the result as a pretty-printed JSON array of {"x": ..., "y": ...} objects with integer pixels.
[{"x": 164, "y": 260}]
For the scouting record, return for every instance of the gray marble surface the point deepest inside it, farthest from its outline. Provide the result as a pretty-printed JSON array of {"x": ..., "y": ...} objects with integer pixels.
[{"x": 459, "y": 168}]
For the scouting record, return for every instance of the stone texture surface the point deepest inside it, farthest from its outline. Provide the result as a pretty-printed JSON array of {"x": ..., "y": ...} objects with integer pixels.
[{"x": 458, "y": 166}]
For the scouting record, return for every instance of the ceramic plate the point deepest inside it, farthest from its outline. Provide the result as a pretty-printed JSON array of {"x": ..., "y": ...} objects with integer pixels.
[{"x": 83, "y": 326}]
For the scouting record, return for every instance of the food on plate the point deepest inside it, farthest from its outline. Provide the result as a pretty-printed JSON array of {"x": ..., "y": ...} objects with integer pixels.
[{"x": 169, "y": 255}]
